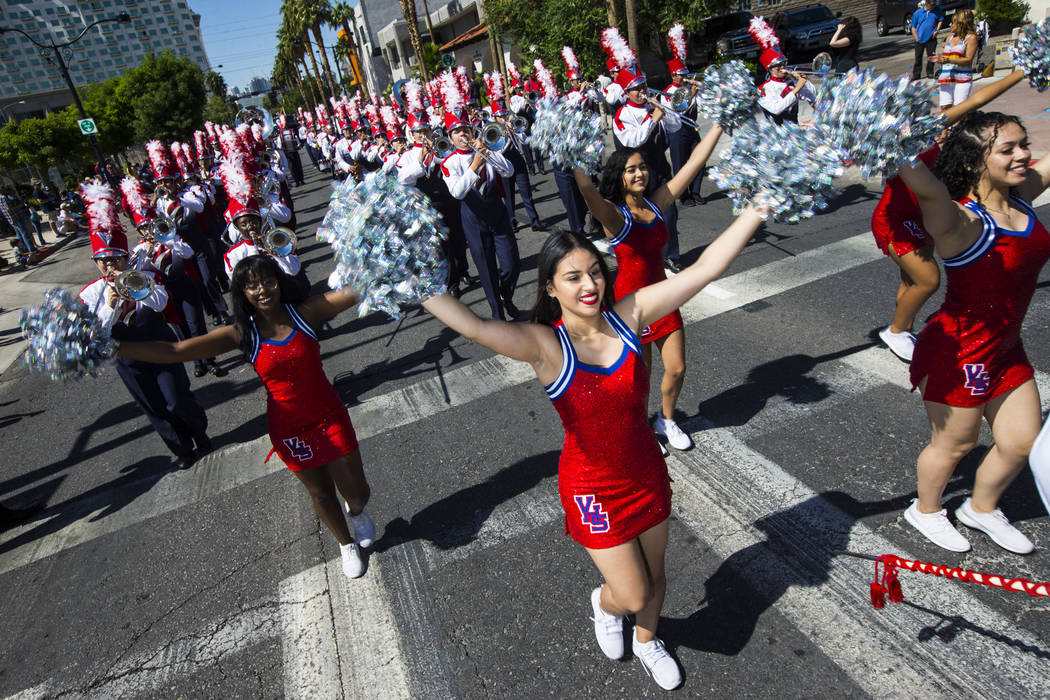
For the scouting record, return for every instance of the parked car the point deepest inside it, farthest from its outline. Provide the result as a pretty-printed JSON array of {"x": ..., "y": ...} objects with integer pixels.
[
  {"x": 725, "y": 36},
  {"x": 897, "y": 13},
  {"x": 809, "y": 30}
]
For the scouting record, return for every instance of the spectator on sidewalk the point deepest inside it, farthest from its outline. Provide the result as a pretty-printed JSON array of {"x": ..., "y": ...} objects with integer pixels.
[
  {"x": 925, "y": 23},
  {"x": 13, "y": 211},
  {"x": 47, "y": 200}
]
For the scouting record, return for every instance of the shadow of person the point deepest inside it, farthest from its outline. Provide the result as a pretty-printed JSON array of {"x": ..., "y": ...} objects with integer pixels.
[
  {"x": 784, "y": 376},
  {"x": 798, "y": 550},
  {"x": 455, "y": 520}
]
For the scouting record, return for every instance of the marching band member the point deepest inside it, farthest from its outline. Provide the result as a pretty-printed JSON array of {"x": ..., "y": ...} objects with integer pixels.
[
  {"x": 475, "y": 177},
  {"x": 522, "y": 108},
  {"x": 287, "y": 145},
  {"x": 342, "y": 150},
  {"x": 685, "y": 139},
  {"x": 643, "y": 124},
  {"x": 778, "y": 96},
  {"x": 513, "y": 152},
  {"x": 162, "y": 391},
  {"x": 575, "y": 207}
]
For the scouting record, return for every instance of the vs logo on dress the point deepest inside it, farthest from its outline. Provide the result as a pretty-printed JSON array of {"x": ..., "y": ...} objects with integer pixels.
[
  {"x": 299, "y": 449},
  {"x": 592, "y": 514}
]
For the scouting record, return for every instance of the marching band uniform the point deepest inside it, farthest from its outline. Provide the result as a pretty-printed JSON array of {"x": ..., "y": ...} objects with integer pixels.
[
  {"x": 683, "y": 140},
  {"x": 777, "y": 96},
  {"x": 289, "y": 264}
]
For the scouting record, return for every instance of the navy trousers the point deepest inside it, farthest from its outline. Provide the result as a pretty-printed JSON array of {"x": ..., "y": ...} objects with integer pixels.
[
  {"x": 163, "y": 393},
  {"x": 486, "y": 226},
  {"x": 682, "y": 143},
  {"x": 520, "y": 182},
  {"x": 571, "y": 199}
]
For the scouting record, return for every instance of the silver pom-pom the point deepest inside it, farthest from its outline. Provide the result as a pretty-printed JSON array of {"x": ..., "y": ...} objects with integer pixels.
[
  {"x": 64, "y": 339},
  {"x": 727, "y": 94},
  {"x": 880, "y": 122},
  {"x": 786, "y": 168},
  {"x": 1031, "y": 53},
  {"x": 571, "y": 137},
  {"x": 386, "y": 239}
]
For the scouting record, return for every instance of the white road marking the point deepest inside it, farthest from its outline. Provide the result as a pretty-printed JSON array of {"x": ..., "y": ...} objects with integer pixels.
[{"x": 308, "y": 643}]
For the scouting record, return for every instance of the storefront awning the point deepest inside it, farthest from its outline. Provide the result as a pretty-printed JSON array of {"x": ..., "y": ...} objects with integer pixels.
[{"x": 467, "y": 37}]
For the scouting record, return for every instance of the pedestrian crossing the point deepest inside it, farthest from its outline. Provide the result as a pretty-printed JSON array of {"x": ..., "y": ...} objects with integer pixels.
[{"x": 378, "y": 636}]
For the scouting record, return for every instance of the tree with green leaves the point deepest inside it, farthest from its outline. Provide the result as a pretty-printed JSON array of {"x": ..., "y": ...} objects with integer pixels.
[
  {"x": 313, "y": 14},
  {"x": 408, "y": 9},
  {"x": 294, "y": 21},
  {"x": 216, "y": 84},
  {"x": 166, "y": 96}
]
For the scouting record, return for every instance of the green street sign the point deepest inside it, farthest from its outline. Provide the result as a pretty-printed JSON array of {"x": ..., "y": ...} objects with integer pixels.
[
  {"x": 87, "y": 127},
  {"x": 448, "y": 60}
]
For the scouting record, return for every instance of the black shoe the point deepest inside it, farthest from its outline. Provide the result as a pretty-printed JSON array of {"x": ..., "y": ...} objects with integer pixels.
[
  {"x": 185, "y": 462},
  {"x": 200, "y": 370},
  {"x": 539, "y": 227},
  {"x": 215, "y": 369},
  {"x": 216, "y": 320},
  {"x": 673, "y": 266},
  {"x": 470, "y": 281},
  {"x": 9, "y": 517},
  {"x": 204, "y": 446},
  {"x": 699, "y": 200},
  {"x": 513, "y": 311},
  {"x": 687, "y": 202},
  {"x": 455, "y": 291}
]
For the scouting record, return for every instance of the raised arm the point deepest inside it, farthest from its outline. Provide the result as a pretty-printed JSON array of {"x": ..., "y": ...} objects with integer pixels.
[
  {"x": 518, "y": 341},
  {"x": 667, "y": 193},
  {"x": 601, "y": 208},
  {"x": 320, "y": 308},
  {"x": 982, "y": 97},
  {"x": 838, "y": 41},
  {"x": 941, "y": 216},
  {"x": 201, "y": 347},
  {"x": 652, "y": 303}
]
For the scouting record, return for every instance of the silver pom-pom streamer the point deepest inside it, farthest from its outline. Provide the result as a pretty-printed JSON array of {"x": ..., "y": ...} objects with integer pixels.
[
  {"x": 786, "y": 168},
  {"x": 1031, "y": 54},
  {"x": 386, "y": 239},
  {"x": 880, "y": 122},
  {"x": 569, "y": 136},
  {"x": 727, "y": 94},
  {"x": 64, "y": 339}
]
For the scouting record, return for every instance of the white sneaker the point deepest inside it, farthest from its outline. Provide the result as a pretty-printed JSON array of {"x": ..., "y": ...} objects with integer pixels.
[
  {"x": 353, "y": 563},
  {"x": 658, "y": 663},
  {"x": 937, "y": 528},
  {"x": 996, "y": 526},
  {"x": 608, "y": 629},
  {"x": 364, "y": 528},
  {"x": 900, "y": 344},
  {"x": 670, "y": 430}
]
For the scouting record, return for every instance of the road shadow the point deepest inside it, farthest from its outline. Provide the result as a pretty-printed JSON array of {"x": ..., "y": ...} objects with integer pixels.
[{"x": 454, "y": 521}]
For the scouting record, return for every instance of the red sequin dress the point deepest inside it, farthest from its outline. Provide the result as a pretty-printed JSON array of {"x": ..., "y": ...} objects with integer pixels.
[
  {"x": 971, "y": 351},
  {"x": 307, "y": 421},
  {"x": 612, "y": 478},
  {"x": 897, "y": 219},
  {"x": 640, "y": 261}
]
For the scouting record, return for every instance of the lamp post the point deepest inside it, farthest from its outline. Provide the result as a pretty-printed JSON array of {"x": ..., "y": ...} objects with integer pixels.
[
  {"x": 47, "y": 49},
  {"x": 3, "y": 110}
]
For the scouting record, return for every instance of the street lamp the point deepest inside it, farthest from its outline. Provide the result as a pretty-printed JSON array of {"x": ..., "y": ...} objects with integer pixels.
[
  {"x": 3, "y": 110},
  {"x": 122, "y": 18}
]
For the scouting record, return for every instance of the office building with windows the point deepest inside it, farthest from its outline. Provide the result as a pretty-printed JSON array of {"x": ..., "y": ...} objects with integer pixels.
[{"x": 31, "y": 85}]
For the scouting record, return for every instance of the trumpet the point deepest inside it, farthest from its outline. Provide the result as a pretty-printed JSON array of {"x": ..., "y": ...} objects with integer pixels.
[
  {"x": 133, "y": 285},
  {"x": 162, "y": 192},
  {"x": 680, "y": 97},
  {"x": 163, "y": 229},
  {"x": 532, "y": 96},
  {"x": 279, "y": 241}
]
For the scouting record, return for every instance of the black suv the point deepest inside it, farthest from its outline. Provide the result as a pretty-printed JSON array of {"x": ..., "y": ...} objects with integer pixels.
[
  {"x": 897, "y": 13},
  {"x": 809, "y": 30},
  {"x": 725, "y": 36}
]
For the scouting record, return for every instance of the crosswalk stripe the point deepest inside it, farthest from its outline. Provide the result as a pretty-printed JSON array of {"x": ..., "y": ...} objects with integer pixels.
[
  {"x": 310, "y": 658},
  {"x": 238, "y": 465}
]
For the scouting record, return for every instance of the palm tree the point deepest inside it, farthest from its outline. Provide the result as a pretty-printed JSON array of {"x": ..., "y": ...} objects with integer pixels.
[
  {"x": 293, "y": 19},
  {"x": 290, "y": 47},
  {"x": 632, "y": 27},
  {"x": 313, "y": 14},
  {"x": 343, "y": 16},
  {"x": 430, "y": 27},
  {"x": 613, "y": 20},
  {"x": 408, "y": 9}
]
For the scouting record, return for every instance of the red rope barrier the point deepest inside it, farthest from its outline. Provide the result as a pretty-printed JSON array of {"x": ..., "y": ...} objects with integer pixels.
[{"x": 887, "y": 585}]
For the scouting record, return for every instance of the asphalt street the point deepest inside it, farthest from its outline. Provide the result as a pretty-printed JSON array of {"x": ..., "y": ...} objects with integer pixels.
[{"x": 139, "y": 581}]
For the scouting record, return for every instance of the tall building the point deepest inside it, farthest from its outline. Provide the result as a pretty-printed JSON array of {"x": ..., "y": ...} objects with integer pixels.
[
  {"x": 32, "y": 86},
  {"x": 258, "y": 85}
]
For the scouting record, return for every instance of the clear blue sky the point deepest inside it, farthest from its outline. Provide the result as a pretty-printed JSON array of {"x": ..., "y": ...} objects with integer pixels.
[{"x": 241, "y": 36}]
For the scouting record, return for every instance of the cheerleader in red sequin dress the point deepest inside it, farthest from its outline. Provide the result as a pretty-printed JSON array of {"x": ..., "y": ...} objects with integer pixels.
[
  {"x": 585, "y": 349},
  {"x": 308, "y": 423},
  {"x": 969, "y": 362},
  {"x": 632, "y": 220}
]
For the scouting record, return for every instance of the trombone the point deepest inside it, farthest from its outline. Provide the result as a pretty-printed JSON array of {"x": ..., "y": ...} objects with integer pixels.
[
  {"x": 685, "y": 119},
  {"x": 680, "y": 97}
]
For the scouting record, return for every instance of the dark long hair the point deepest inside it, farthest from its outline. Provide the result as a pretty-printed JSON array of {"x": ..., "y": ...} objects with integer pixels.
[
  {"x": 610, "y": 186},
  {"x": 853, "y": 31},
  {"x": 257, "y": 266},
  {"x": 961, "y": 161},
  {"x": 557, "y": 246}
]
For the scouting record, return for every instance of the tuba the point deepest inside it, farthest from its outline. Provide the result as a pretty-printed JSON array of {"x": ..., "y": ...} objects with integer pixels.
[
  {"x": 256, "y": 115},
  {"x": 279, "y": 241}
]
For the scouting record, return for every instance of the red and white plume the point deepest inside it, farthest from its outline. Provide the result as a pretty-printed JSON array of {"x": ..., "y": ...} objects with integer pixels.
[
  {"x": 763, "y": 33},
  {"x": 159, "y": 160},
  {"x": 413, "y": 97},
  {"x": 103, "y": 219},
  {"x": 617, "y": 48},
  {"x": 335, "y": 102},
  {"x": 236, "y": 168},
  {"x": 571, "y": 64},
  {"x": 463, "y": 80},
  {"x": 200, "y": 141},
  {"x": 135, "y": 194},
  {"x": 451, "y": 96},
  {"x": 515, "y": 74},
  {"x": 494, "y": 87},
  {"x": 388, "y": 116},
  {"x": 180, "y": 159},
  {"x": 187, "y": 150},
  {"x": 676, "y": 39},
  {"x": 213, "y": 135},
  {"x": 546, "y": 80}
]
